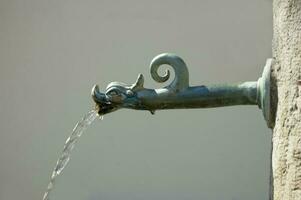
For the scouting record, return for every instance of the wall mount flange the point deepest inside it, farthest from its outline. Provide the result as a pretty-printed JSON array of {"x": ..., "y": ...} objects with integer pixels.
[{"x": 263, "y": 92}]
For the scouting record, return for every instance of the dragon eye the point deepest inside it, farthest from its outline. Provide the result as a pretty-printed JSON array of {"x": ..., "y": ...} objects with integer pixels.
[{"x": 113, "y": 93}]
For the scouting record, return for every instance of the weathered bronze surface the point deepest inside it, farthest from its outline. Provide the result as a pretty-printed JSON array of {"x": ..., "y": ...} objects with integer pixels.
[{"x": 179, "y": 94}]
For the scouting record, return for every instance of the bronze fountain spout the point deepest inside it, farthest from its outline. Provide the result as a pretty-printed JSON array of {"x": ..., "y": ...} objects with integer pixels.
[{"x": 179, "y": 95}]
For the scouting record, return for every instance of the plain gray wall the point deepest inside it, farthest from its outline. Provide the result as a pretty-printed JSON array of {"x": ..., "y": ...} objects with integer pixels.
[{"x": 51, "y": 54}]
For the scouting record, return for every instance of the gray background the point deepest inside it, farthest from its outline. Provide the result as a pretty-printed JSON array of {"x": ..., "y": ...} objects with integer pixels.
[{"x": 51, "y": 54}]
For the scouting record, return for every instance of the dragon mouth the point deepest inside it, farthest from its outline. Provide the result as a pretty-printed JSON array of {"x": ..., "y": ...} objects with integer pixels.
[
  {"x": 103, "y": 105},
  {"x": 103, "y": 109}
]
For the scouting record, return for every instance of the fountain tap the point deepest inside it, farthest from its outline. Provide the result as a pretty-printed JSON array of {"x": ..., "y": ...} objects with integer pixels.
[{"x": 178, "y": 94}]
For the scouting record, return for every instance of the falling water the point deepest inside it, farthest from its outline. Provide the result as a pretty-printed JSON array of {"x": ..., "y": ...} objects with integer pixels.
[{"x": 79, "y": 128}]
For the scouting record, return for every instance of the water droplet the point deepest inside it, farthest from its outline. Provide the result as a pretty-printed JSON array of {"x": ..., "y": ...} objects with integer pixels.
[{"x": 100, "y": 117}]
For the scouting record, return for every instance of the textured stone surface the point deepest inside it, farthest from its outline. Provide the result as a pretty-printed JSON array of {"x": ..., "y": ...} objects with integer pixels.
[{"x": 286, "y": 158}]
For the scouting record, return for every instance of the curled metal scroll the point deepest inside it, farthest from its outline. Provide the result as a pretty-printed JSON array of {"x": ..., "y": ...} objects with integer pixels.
[{"x": 181, "y": 80}]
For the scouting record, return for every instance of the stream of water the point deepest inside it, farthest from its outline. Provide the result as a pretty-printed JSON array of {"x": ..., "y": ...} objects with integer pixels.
[{"x": 63, "y": 160}]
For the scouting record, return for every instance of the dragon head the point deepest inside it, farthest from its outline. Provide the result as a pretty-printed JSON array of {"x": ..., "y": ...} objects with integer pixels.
[{"x": 118, "y": 95}]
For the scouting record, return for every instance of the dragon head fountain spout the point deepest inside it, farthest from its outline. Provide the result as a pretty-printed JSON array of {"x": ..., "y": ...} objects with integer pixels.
[{"x": 178, "y": 94}]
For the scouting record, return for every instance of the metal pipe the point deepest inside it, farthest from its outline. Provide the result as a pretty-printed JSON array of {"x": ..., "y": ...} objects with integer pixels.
[{"x": 199, "y": 97}]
